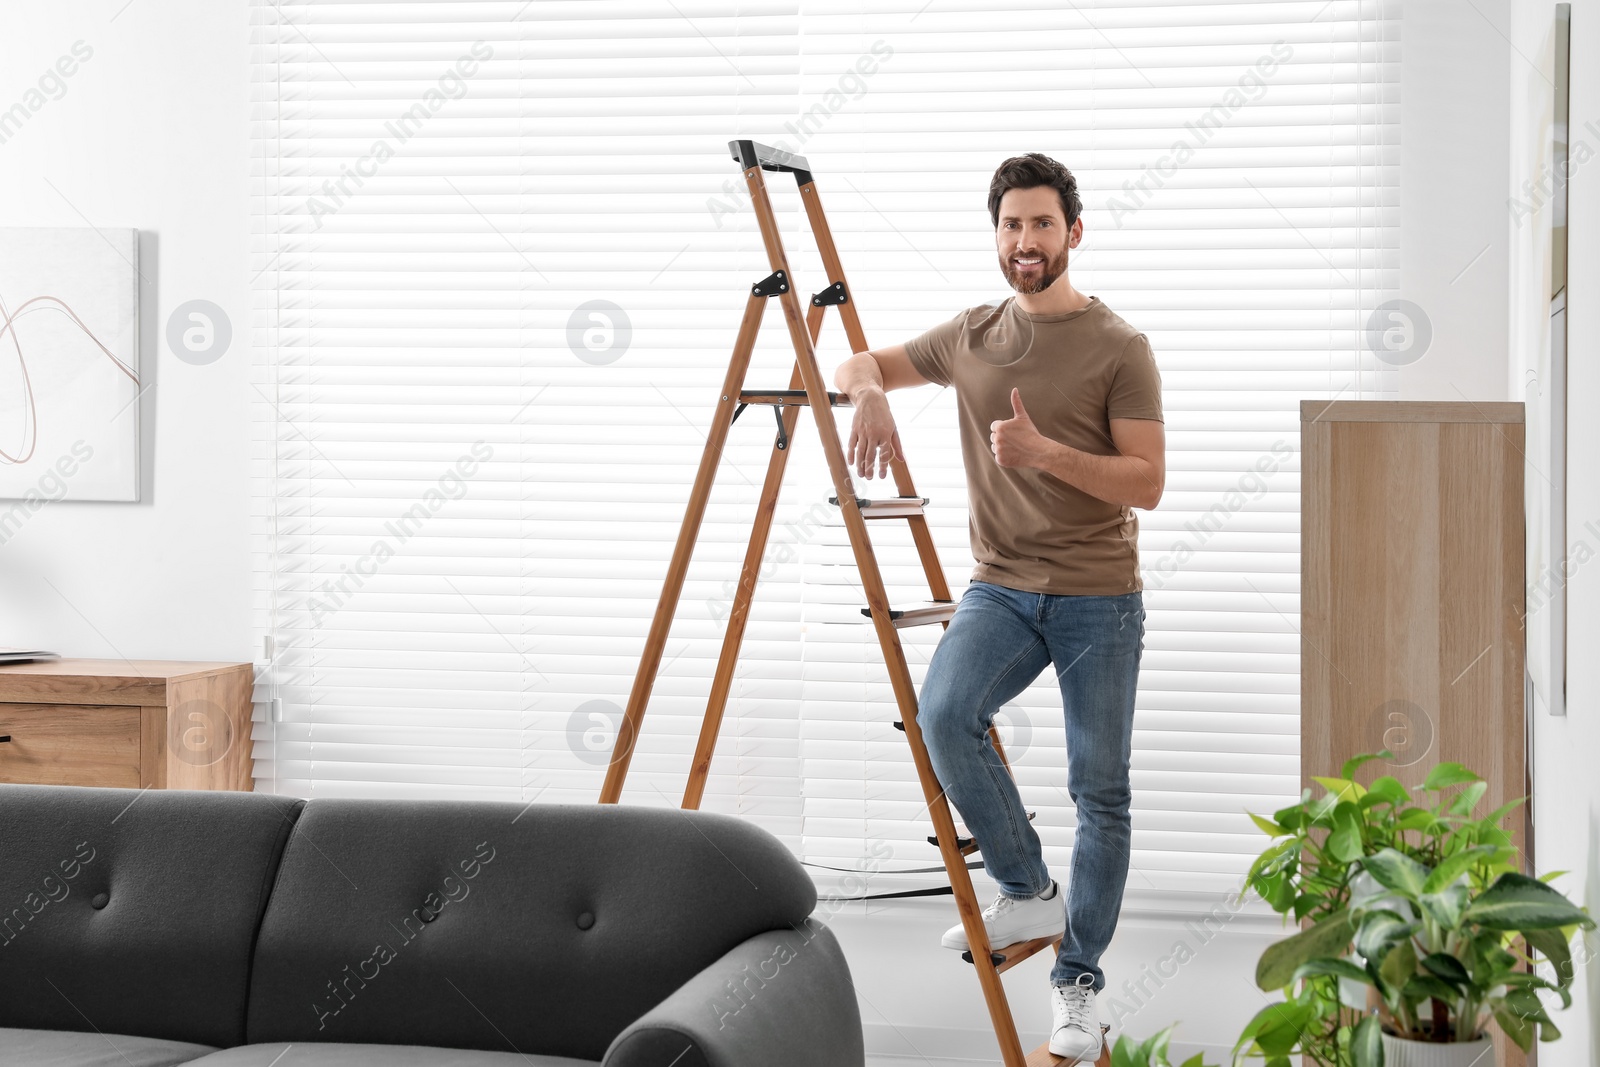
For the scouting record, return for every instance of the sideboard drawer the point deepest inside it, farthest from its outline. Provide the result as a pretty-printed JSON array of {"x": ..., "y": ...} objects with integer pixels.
[{"x": 70, "y": 744}]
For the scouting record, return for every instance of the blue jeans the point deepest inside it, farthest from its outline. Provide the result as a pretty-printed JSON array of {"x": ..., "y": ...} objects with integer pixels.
[{"x": 996, "y": 645}]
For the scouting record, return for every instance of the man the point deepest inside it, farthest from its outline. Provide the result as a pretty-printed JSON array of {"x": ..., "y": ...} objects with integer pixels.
[{"x": 1059, "y": 402}]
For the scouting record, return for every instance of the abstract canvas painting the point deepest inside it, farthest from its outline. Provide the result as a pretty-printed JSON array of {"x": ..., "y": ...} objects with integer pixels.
[{"x": 69, "y": 364}]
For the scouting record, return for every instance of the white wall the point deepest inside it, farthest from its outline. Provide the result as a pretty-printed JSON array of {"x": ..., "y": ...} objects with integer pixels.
[
  {"x": 150, "y": 132},
  {"x": 1566, "y": 793},
  {"x": 1454, "y": 163}
]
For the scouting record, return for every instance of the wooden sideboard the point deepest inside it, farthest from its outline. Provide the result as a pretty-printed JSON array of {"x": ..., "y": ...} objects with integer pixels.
[{"x": 133, "y": 724}]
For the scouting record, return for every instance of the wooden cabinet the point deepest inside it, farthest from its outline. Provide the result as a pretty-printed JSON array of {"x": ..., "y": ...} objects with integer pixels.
[
  {"x": 1412, "y": 597},
  {"x": 139, "y": 724}
]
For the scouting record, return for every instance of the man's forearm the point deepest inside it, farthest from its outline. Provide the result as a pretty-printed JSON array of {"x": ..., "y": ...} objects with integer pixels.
[
  {"x": 1122, "y": 480},
  {"x": 858, "y": 375}
]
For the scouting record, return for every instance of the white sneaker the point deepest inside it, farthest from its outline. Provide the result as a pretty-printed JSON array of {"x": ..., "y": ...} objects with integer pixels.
[
  {"x": 1008, "y": 921},
  {"x": 1075, "y": 1030}
]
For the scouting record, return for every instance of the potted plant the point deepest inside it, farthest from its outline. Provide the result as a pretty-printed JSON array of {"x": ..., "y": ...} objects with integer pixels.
[{"x": 1418, "y": 902}]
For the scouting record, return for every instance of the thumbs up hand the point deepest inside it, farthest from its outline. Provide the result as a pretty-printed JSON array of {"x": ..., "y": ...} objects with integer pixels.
[{"x": 1017, "y": 442}]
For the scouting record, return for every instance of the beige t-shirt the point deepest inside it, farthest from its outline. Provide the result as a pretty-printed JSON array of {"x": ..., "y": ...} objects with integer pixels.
[{"x": 1076, "y": 371}]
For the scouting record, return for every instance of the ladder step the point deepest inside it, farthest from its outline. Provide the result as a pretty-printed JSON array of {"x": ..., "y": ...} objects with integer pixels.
[
  {"x": 895, "y": 507},
  {"x": 1043, "y": 1057},
  {"x": 966, "y": 844},
  {"x": 792, "y": 397},
  {"x": 931, "y": 611},
  {"x": 1010, "y": 955}
]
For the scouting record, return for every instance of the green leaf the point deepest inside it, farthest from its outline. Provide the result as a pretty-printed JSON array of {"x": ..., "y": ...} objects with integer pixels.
[
  {"x": 1330, "y": 937},
  {"x": 1526, "y": 1003},
  {"x": 1282, "y": 895},
  {"x": 1290, "y": 818},
  {"x": 1446, "y": 907},
  {"x": 1366, "y": 1046},
  {"x": 1156, "y": 1045},
  {"x": 1517, "y": 902},
  {"x": 1445, "y": 775},
  {"x": 1555, "y": 945},
  {"x": 1399, "y": 965},
  {"x": 1448, "y": 968},
  {"x": 1318, "y": 810},
  {"x": 1414, "y": 820},
  {"x": 1493, "y": 835},
  {"x": 1522, "y": 979},
  {"x": 1282, "y": 1036},
  {"x": 1197, "y": 1060},
  {"x": 1516, "y": 1027},
  {"x": 1267, "y": 825},
  {"x": 1339, "y": 968},
  {"x": 1271, "y": 1023},
  {"x": 1151, "y": 1052},
  {"x": 1345, "y": 844},
  {"x": 1256, "y": 1024},
  {"x": 1343, "y": 788},
  {"x": 1468, "y": 798},
  {"x": 1499, "y": 813},
  {"x": 1270, "y": 856},
  {"x": 1487, "y": 942},
  {"x": 1397, "y": 872},
  {"x": 1379, "y": 931},
  {"x": 1455, "y": 866},
  {"x": 1350, "y": 765},
  {"x": 1423, "y": 986},
  {"x": 1390, "y": 789}
]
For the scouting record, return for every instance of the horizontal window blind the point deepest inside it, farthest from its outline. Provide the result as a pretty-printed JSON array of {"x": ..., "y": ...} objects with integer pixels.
[{"x": 501, "y": 258}]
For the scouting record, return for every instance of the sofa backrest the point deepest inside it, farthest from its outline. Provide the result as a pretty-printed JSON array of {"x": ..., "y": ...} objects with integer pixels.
[
  {"x": 542, "y": 929},
  {"x": 134, "y": 912}
]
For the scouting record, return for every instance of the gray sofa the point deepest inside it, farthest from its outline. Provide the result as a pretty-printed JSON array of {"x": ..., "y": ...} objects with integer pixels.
[{"x": 149, "y": 929}]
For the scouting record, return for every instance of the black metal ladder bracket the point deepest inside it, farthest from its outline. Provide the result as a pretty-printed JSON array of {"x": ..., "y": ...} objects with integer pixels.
[
  {"x": 833, "y": 294},
  {"x": 777, "y": 412},
  {"x": 772, "y": 285},
  {"x": 783, "y": 434}
]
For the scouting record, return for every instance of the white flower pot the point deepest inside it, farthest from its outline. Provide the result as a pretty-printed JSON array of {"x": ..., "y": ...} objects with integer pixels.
[{"x": 1400, "y": 1052}]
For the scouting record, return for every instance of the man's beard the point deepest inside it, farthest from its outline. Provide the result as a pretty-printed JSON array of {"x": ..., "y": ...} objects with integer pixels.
[{"x": 1035, "y": 281}]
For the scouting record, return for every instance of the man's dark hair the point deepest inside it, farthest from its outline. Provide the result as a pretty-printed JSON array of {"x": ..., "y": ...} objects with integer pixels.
[{"x": 1029, "y": 171}]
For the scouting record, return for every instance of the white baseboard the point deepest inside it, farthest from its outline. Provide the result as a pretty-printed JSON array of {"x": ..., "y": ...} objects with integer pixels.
[{"x": 926, "y": 1046}]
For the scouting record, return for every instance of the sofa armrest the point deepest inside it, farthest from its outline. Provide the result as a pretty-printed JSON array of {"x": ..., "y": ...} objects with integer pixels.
[{"x": 784, "y": 996}]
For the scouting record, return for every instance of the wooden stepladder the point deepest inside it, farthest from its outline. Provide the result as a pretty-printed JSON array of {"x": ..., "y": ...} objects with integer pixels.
[{"x": 808, "y": 390}]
